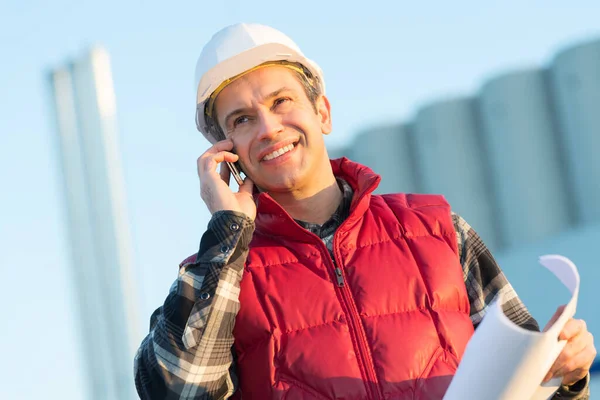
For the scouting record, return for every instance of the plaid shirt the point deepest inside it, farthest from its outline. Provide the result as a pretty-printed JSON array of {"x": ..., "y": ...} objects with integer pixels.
[{"x": 188, "y": 353}]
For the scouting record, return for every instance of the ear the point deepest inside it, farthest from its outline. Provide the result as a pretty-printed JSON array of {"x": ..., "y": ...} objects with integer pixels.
[{"x": 324, "y": 112}]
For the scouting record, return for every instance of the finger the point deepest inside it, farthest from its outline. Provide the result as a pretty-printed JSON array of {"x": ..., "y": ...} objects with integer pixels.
[
  {"x": 576, "y": 368},
  {"x": 571, "y": 350},
  {"x": 582, "y": 359},
  {"x": 556, "y": 315},
  {"x": 574, "y": 377},
  {"x": 226, "y": 144},
  {"x": 210, "y": 162},
  {"x": 225, "y": 173},
  {"x": 223, "y": 156},
  {"x": 572, "y": 328}
]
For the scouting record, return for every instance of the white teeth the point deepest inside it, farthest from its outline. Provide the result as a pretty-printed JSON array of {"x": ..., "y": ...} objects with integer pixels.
[{"x": 279, "y": 152}]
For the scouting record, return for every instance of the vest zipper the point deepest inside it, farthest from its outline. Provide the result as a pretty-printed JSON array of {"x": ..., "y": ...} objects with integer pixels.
[
  {"x": 339, "y": 276},
  {"x": 357, "y": 329}
]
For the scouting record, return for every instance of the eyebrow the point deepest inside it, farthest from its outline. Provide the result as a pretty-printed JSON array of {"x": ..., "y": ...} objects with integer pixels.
[{"x": 242, "y": 109}]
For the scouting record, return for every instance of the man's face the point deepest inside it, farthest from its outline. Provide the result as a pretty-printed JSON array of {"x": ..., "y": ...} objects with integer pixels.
[{"x": 275, "y": 129}]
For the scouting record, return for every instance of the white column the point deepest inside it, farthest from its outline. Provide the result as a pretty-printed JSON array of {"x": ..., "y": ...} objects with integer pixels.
[{"x": 84, "y": 104}]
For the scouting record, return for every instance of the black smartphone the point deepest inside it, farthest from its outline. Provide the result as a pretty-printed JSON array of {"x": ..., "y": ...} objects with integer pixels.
[
  {"x": 236, "y": 171},
  {"x": 235, "y": 168}
]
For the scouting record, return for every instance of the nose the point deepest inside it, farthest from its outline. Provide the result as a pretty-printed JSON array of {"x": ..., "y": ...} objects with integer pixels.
[{"x": 269, "y": 125}]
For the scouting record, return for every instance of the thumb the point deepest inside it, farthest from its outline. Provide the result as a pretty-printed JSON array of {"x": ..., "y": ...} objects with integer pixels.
[{"x": 247, "y": 186}]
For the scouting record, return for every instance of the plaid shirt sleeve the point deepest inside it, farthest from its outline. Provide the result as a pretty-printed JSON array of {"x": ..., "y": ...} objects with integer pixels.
[
  {"x": 188, "y": 353},
  {"x": 485, "y": 281}
]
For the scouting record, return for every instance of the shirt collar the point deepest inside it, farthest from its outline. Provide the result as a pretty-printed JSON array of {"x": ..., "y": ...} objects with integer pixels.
[{"x": 336, "y": 219}]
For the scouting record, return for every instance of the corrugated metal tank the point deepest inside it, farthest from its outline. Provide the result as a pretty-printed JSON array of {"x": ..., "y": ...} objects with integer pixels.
[
  {"x": 525, "y": 166},
  {"x": 575, "y": 74},
  {"x": 450, "y": 161},
  {"x": 387, "y": 151}
]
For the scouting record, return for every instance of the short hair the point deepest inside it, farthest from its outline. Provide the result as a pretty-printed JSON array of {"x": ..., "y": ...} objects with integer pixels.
[{"x": 309, "y": 82}]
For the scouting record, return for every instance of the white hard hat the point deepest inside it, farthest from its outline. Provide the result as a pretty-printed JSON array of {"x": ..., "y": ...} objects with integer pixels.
[{"x": 237, "y": 49}]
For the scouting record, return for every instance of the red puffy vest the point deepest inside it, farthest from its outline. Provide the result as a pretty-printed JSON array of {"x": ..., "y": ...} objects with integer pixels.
[{"x": 387, "y": 319}]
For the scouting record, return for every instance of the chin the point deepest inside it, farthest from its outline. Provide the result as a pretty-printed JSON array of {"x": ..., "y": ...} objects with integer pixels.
[
  {"x": 279, "y": 184},
  {"x": 277, "y": 188}
]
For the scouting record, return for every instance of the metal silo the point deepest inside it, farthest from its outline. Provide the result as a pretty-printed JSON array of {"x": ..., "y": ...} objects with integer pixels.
[
  {"x": 525, "y": 165},
  {"x": 386, "y": 150},
  {"x": 576, "y": 83},
  {"x": 451, "y": 162}
]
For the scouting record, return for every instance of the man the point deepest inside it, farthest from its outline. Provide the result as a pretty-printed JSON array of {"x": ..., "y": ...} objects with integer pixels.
[{"x": 307, "y": 286}]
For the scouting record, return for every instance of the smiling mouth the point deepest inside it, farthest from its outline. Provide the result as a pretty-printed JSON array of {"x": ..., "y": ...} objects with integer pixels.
[{"x": 280, "y": 152}]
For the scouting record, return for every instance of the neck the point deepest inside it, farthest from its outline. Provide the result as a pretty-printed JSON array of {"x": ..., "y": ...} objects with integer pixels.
[{"x": 315, "y": 206}]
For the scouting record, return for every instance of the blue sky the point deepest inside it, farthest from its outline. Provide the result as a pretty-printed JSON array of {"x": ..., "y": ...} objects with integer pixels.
[{"x": 382, "y": 60}]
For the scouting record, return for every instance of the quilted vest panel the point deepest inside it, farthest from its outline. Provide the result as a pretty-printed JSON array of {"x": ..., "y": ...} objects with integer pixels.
[{"x": 391, "y": 323}]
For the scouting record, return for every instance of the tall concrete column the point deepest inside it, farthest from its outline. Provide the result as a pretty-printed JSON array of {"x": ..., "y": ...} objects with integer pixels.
[{"x": 85, "y": 112}]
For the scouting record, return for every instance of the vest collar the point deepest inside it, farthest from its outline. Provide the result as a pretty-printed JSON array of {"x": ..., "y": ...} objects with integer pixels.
[{"x": 272, "y": 219}]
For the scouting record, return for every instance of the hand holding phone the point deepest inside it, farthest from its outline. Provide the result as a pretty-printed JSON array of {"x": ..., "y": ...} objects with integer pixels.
[
  {"x": 214, "y": 186},
  {"x": 234, "y": 167}
]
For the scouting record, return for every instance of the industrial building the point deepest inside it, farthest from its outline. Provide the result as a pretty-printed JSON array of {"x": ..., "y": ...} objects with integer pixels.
[{"x": 519, "y": 160}]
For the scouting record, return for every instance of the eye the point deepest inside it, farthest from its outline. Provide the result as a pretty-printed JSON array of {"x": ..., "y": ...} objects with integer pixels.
[
  {"x": 280, "y": 101},
  {"x": 240, "y": 120}
]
